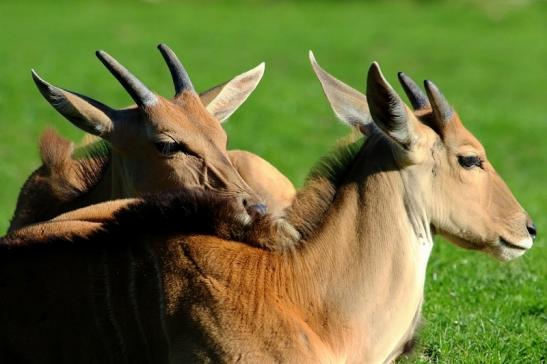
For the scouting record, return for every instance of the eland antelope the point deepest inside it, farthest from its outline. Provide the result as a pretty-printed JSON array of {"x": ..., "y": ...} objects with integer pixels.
[
  {"x": 144, "y": 287},
  {"x": 156, "y": 145}
]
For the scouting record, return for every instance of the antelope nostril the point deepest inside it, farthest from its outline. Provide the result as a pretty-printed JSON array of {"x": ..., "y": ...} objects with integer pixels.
[
  {"x": 244, "y": 202},
  {"x": 531, "y": 229},
  {"x": 258, "y": 209}
]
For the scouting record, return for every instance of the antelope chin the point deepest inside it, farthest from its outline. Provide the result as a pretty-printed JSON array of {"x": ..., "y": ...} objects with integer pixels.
[{"x": 505, "y": 250}]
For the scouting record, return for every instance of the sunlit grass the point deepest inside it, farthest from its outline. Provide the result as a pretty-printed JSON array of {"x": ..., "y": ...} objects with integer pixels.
[{"x": 489, "y": 60}]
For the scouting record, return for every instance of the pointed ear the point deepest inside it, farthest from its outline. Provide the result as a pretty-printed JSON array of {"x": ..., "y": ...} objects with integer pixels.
[
  {"x": 349, "y": 105},
  {"x": 84, "y": 112},
  {"x": 222, "y": 100},
  {"x": 55, "y": 151},
  {"x": 388, "y": 110}
]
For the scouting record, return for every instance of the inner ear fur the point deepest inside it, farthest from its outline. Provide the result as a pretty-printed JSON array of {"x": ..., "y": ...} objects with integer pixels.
[
  {"x": 223, "y": 100},
  {"x": 392, "y": 115},
  {"x": 349, "y": 105}
]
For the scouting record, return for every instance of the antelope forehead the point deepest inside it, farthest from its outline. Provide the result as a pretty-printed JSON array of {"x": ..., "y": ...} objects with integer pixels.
[
  {"x": 174, "y": 126},
  {"x": 458, "y": 137},
  {"x": 169, "y": 115}
]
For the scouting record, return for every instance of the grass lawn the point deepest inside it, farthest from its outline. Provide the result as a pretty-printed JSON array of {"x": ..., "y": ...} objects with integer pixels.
[{"x": 489, "y": 60}]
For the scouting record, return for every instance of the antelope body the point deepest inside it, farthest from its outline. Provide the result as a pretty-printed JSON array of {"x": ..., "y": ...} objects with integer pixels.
[{"x": 152, "y": 285}]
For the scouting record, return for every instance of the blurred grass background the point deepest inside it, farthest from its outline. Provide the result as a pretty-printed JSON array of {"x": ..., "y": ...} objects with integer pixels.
[{"x": 488, "y": 57}]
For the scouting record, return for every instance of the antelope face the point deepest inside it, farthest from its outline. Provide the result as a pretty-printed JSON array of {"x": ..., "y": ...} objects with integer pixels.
[
  {"x": 472, "y": 205},
  {"x": 181, "y": 143},
  {"x": 160, "y": 143},
  {"x": 467, "y": 201}
]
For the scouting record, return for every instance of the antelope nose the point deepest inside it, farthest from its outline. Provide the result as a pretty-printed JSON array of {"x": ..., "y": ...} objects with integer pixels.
[
  {"x": 531, "y": 229},
  {"x": 258, "y": 209}
]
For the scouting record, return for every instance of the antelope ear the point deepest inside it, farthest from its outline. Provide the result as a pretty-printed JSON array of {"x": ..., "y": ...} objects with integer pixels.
[
  {"x": 82, "y": 111},
  {"x": 55, "y": 151},
  {"x": 349, "y": 105},
  {"x": 388, "y": 110},
  {"x": 222, "y": 100}
]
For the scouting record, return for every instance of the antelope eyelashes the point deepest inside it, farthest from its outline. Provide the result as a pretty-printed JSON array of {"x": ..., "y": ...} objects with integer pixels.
[
  {"x": 170, "y": 148},
  {"x": 166, "y": 148},
  {"x": 469, "y": 162}
]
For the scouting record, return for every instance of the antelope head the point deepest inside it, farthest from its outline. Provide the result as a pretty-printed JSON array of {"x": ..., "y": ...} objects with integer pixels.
[
  {"x": 470, "y": 204},
  {"x": 442, "y": 165},
  {"x": 161, "y": 143}
]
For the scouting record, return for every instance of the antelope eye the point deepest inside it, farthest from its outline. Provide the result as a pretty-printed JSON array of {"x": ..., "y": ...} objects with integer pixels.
[
  {"x": 166, "y": 148},
  {"x": 469, "y": 162}
]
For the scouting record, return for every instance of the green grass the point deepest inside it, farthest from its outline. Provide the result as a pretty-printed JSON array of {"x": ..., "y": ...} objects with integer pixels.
[{"x": 488, "y": 58}]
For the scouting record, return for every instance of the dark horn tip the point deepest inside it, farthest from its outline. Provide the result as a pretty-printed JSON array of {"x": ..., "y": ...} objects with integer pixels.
[
  {"x": 415, "y": 95},
  {"x": 440, "y": 105},
  {"x": 180, "y": 77},
  {"x": 429, "y": 84},
  {"x": 433, "y": 91},
  {"x": 430, "y": 87},
  {"x": 103, "y": 56},
  {"x": 136, "y": 89},
  {"x": 403, "y": 78},
  {"x": 164, "y": 49}
]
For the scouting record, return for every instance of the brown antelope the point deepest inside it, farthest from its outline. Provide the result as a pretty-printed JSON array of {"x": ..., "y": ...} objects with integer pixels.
[
  {"x": 151, "y": 285},
  {"x": 157, "y": 144}
]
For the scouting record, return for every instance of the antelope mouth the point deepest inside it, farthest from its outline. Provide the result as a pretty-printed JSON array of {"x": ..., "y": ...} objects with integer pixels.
[
  {"x": 522, "y": 245},
  {"x": 505, "y": 250}
]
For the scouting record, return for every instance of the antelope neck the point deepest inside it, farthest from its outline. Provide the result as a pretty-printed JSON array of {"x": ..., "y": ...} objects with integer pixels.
[{"x": 368, "y": 260}]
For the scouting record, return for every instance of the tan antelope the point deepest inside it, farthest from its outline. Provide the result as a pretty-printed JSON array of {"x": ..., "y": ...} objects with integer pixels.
[
  {"x": 157, "y": 144},
  {"x": 151, "y": 284}
]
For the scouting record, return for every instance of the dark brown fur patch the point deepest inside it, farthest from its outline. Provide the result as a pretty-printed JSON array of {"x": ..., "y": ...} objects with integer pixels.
[
  {"x": 56, "y": 186},
  {"x": 184, "y": 212}
]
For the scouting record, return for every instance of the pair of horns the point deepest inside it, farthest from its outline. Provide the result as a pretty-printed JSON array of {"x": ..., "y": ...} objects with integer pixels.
[
  {"x": 390, "y": 113},
  {"x": 434, "y": 99},
  {"x": 136, "y": 89}
]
